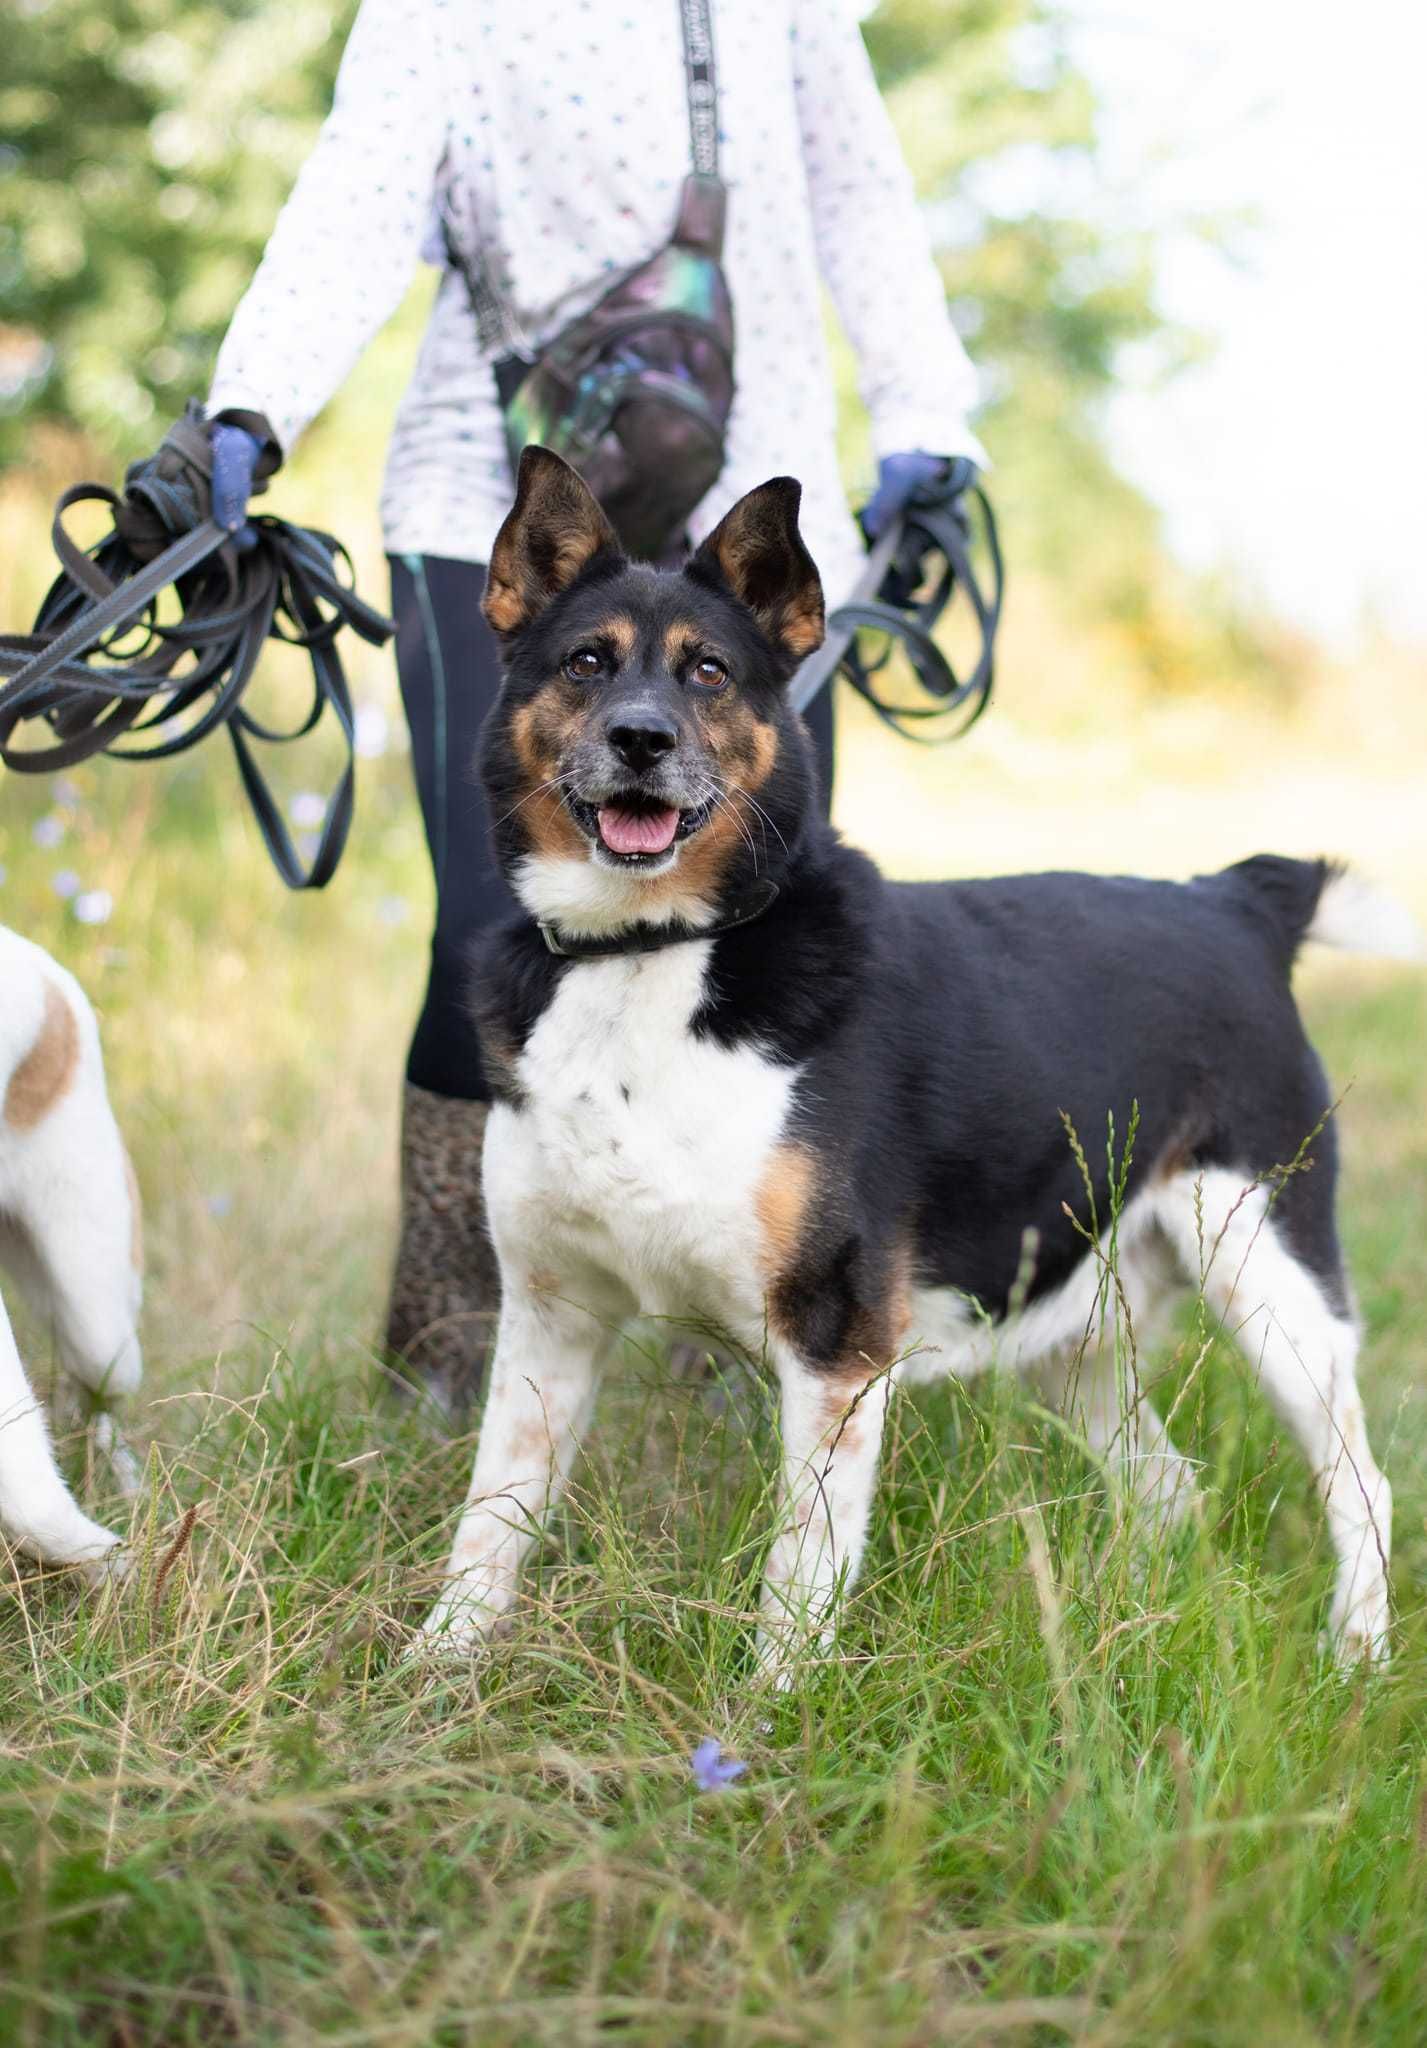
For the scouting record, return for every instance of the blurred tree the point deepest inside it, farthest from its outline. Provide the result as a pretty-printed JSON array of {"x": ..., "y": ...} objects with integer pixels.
[
  {"x": 145, "y": 147},
  {"x": 148, "y": 144},
  {"x": 1048, "y": 298},
  {"x": 1051, "y": 278}
]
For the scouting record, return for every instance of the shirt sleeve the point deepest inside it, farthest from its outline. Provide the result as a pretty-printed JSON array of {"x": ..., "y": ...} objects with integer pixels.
[
  {"x": 873, "y": 248},
  {"x": 346, "y": 244}
]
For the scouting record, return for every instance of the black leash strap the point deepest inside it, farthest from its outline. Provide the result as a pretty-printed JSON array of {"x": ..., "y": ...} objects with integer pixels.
[
  {"x": 913, "y": 571},
  {"x": 102, "y": 663}
]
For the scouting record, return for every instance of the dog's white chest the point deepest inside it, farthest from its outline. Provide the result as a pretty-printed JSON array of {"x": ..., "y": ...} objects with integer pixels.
[{"x": 640, "y": 1147}]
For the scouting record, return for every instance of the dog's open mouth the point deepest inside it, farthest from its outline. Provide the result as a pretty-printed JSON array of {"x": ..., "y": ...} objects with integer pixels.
[{"x": 636, "y": 829}]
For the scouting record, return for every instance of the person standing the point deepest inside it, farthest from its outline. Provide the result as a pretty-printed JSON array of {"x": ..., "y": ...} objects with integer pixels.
[{"x": 555, "y": 144}]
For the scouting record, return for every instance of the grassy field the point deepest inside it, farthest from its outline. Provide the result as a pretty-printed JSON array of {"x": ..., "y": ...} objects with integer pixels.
[{"x": 1045, "y": 1790}]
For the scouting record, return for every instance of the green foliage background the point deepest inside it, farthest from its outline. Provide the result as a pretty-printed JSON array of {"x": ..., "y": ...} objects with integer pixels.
[{"x": 146, "y": 145}]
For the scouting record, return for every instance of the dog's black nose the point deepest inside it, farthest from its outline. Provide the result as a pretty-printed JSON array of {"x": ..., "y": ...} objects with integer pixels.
[{"x": 641, "y": 737}]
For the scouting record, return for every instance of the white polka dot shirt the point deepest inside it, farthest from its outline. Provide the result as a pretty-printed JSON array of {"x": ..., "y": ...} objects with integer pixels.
[{"x": 560, "y": 136}]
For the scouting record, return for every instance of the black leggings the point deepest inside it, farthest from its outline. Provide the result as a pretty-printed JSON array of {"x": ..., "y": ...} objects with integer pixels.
[{"x": 448, "y": 665}]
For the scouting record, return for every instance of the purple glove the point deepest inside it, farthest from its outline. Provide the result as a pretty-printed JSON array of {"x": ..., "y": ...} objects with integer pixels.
[
  {"x": 903, "y": 478},
  {"x": 235, "y": 456}
]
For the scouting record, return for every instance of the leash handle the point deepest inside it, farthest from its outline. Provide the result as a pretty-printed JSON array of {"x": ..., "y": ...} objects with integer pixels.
[
  {"x": 900, "y": 557},
  {"x": 73, "y": 671}
]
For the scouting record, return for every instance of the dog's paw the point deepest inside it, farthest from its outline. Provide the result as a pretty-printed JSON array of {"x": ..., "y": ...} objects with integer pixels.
[
  {"x": 112, "y": 1569},
  {"x": 125, "y": 1468},
  {"x": 96, "y": 1554},
  {"x": 786, "y": 1651},
  {"x": 1358, "y": 1631},
  {"x": 456, "y": 1631}
]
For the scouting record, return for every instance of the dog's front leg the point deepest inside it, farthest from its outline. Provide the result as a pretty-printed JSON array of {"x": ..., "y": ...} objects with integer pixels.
[
  {"x": 37, "y": 1510},
  {"x": 542, "y": 1389},
  {"x": 832, "y": 1435}
]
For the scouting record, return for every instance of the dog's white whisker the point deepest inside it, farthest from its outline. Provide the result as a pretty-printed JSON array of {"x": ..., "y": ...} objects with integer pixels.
[
  {"x": 768, "y": 823},
  {"x": 718, "y": 798},
  {"x": 551, "y": 782}
]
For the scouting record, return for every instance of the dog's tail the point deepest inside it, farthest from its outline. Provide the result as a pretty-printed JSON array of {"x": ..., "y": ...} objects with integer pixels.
[
  {"x": 1325, "y": 901},
  {"x": 1357, "y": 918}
]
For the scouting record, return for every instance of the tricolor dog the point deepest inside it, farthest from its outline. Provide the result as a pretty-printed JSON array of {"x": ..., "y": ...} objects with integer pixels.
[
  {"x": 69, "y": 1232},
  {"x": 744, "y": 1079}
]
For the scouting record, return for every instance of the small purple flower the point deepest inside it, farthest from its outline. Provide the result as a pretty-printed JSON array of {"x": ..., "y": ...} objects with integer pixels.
[
  {"x": 372, "y": 732},
  {"x": 220, "y": 1203},
  {"x": 66, "y": 883},
  {"x": 94, "y": 906},
  {"x": 48, "y": 831},
  {"x": 712, "y": 1770},
  {"x": 307, "y": 808}
]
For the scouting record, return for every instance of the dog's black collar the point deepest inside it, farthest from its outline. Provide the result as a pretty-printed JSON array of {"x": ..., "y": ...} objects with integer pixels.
[{"x": 652, "y": 938}]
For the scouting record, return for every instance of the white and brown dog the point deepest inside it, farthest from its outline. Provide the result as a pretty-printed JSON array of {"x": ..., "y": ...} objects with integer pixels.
[{"x": 69, "y": 1232}]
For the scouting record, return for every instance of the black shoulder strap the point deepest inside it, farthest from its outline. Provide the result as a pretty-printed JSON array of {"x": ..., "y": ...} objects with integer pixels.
[
  {"x": 701, "y": 86},
  {"x": 495, "y": 327}
]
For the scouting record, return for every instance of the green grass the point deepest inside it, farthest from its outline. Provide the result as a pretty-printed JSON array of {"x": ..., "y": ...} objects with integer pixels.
[
  {"x": 1043, "y": 1791},
  {"x": 1040, "y": 1791}
]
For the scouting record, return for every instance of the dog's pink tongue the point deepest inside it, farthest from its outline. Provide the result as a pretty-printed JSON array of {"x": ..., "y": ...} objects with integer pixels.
[{"x": 637, "y": 831}]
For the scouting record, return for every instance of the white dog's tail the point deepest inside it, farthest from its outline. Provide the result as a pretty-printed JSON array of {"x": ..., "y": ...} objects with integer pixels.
[{"x": 1356, "y": 917}]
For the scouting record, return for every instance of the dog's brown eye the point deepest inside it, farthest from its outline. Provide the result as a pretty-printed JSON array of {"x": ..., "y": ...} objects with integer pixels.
[
  {"x": 710, "y": 673},
  {"x": 583, "y": 665}
]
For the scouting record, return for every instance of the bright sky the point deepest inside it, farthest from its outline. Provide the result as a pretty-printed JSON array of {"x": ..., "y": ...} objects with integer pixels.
[{"x": 1298, "y": 456}]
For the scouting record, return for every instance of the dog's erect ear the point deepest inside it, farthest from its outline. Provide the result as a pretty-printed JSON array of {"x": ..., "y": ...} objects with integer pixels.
[
  {"x": 554, "y": 530},
  {"x": 757, "y": 550}
]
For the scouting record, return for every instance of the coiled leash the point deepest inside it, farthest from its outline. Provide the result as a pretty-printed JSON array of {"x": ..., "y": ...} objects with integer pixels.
[
  {"x": 101, "y": 664},
  {"x": 913, "y": 571}
]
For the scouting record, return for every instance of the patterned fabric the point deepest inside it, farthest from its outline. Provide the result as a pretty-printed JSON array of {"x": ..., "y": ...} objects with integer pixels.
[
  {"x": 445, "y": 1292},
  {"x": 560, "y": 137}
]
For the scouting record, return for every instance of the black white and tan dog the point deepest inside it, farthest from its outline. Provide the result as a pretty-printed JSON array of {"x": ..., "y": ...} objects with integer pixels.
[{"x": 744, "y": 1079}]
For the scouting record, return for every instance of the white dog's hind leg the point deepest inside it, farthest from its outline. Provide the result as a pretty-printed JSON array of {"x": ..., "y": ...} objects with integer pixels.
[
  {"x": 69, "y": 1226},
  {"x": 81, "y": 1250},
  {"x": 37, "y": 1510},
  {"x": 1305, "y": 1358},
  {"x": 76, "y": 1239},
  {"x": 1101, "y": 1396},
  {"x": 71, "y": 1200},
  {"x": 77, "y": 1249}
]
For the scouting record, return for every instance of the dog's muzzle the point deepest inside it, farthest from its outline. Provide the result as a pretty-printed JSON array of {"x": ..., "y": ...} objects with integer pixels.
[{"x": 632, "y": 828}]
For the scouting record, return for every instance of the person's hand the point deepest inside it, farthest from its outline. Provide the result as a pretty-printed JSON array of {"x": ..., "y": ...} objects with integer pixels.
[
  {"x": 235, "y": 457},
  {"x": 917, "y": 477},
  {"x": 202, "y": 468}
]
